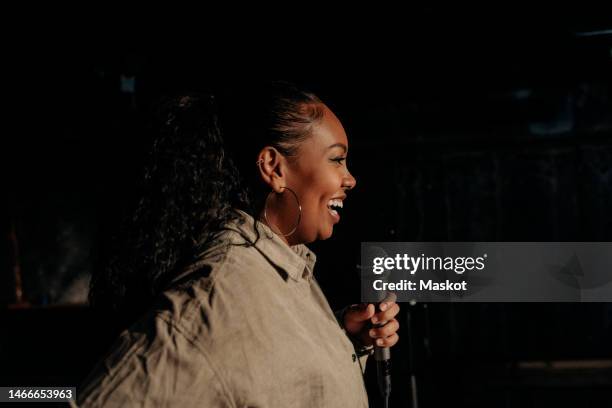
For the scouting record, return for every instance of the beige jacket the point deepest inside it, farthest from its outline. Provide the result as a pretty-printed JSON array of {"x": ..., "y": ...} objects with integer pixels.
[{"x": 246, "y": 326}]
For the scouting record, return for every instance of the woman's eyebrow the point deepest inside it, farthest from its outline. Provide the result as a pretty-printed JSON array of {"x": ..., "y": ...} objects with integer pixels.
[{"x": 342, "y": 145}]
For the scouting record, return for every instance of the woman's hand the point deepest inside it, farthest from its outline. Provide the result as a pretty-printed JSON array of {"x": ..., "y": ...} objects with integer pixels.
[{"x": 358, "y": 316}]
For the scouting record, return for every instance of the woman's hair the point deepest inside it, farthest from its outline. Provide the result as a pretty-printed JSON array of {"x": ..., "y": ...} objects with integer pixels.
[{"x": 201, "y": 167}]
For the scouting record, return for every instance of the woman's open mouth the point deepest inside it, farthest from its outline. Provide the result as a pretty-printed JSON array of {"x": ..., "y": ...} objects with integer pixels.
[{"x": 334, "y": 207}]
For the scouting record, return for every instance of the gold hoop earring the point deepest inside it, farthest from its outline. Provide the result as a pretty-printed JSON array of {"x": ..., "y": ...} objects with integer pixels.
[{"x": 299, "y": 208}]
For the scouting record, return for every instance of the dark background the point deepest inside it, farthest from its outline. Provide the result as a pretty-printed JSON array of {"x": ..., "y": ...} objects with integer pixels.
[{"x": 464, "y": 125}]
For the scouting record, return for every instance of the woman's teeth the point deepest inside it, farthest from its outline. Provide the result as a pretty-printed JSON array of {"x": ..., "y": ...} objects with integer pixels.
[
  {"x": 332, "y": 205},
  {"x": 335, "y": 203}
]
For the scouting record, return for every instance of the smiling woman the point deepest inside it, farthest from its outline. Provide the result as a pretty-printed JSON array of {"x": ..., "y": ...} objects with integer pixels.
[
  {"x": 318, "y": 175},
  {"x": 215, "y": 266}
]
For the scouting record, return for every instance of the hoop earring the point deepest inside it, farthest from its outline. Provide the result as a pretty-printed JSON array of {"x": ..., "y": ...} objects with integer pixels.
[{"x": 299, "y": 208}]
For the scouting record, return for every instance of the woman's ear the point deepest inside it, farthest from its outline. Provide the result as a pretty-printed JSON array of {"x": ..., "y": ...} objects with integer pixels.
[{"x": 271, "y": 164}]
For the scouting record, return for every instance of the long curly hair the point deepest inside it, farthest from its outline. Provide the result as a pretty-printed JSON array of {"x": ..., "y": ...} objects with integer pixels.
[{"x": 201, "y": 167}]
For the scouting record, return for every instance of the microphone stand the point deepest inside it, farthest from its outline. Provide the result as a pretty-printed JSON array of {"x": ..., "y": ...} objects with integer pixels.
[
  {"x": 382, "y": 355},
  {"x": 411, "y": 370}
]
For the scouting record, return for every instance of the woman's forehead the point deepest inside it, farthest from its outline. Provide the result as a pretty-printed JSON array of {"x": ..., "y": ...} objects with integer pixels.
[{"x": 329, "y": 130}]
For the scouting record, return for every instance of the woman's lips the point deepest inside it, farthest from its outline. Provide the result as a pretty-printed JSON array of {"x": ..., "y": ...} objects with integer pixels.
[{"x": 334, "y": 214}]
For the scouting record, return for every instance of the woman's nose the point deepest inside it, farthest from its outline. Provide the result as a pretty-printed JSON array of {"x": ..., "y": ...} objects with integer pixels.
[{"x": 349, "y": 182}]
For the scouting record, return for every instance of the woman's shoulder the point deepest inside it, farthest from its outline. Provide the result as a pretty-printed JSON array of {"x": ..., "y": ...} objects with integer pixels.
[
  {"x": 226, "y": 270},
  {"x": 230, "y": 255},
  {"x": 220, "y": 295}
]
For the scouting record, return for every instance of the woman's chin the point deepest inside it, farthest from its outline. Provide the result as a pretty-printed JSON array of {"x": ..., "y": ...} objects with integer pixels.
[{"x": 326, "y": 234}]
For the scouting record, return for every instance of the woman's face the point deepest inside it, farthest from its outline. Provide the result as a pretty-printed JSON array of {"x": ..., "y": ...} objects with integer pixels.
[{"x": 320, "y": 178}]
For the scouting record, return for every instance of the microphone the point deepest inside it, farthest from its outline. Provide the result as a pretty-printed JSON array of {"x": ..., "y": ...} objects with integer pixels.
[{"x": 382, "y": 355}]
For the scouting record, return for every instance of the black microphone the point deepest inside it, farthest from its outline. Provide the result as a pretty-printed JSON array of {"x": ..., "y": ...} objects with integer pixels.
[{"x": 382, "y": 355}]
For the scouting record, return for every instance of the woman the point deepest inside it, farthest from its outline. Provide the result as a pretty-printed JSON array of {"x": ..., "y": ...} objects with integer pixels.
[{"x": 233, "y": 192}]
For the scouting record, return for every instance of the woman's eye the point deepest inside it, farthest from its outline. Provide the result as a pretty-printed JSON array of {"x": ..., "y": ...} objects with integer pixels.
[{"x": 339, "y": 160}]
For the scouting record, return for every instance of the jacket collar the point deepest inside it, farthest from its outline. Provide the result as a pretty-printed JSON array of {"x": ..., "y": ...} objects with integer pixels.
[{"x": 297, "y": 261}]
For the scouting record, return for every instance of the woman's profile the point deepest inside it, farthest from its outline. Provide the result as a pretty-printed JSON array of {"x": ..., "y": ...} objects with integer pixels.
[{"x": 216, "y": 268}]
